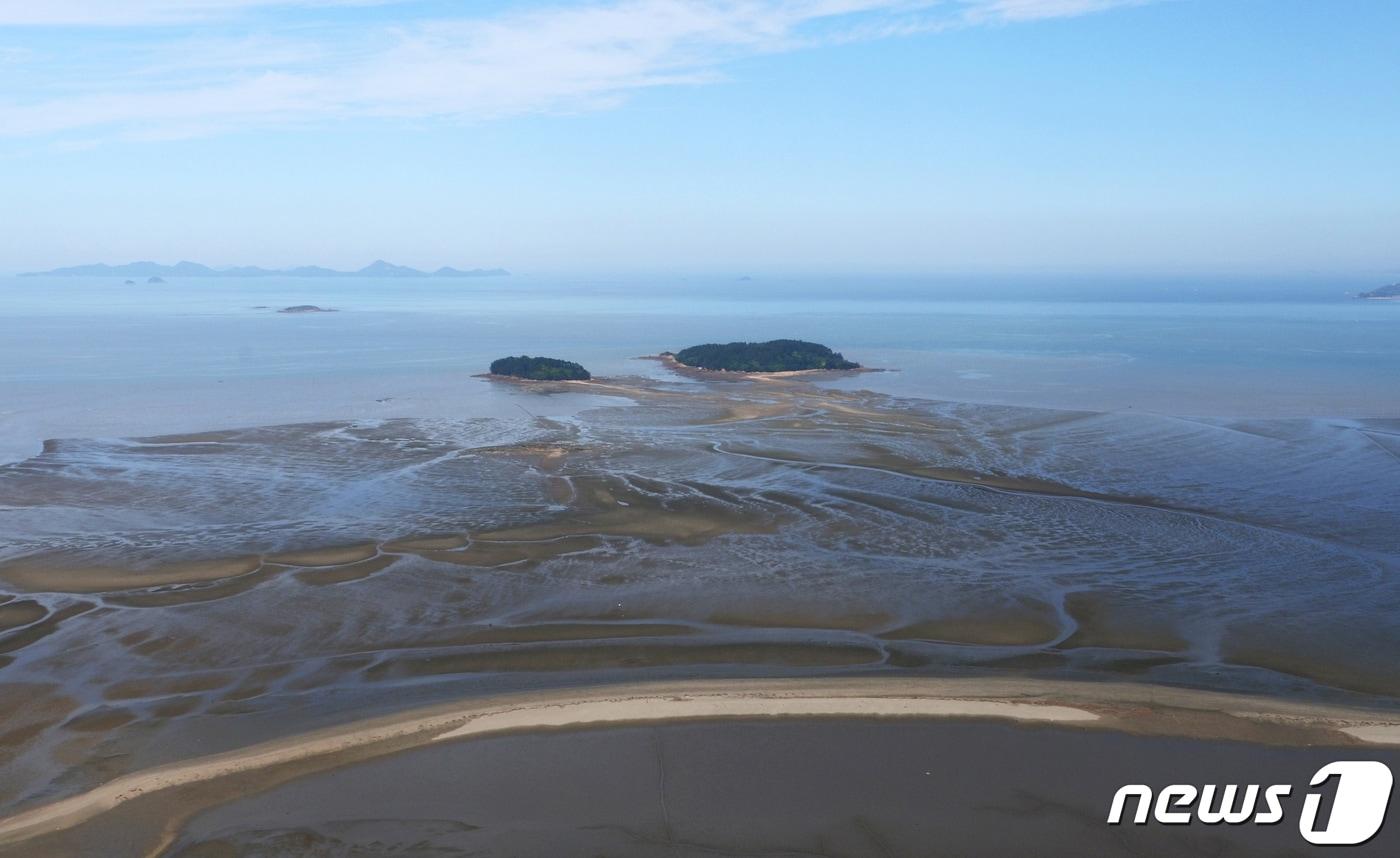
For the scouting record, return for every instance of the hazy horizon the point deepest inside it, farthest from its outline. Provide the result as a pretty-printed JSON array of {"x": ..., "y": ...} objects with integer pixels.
[
  {"x": 1034, "y": 285},
  {"x": 1094, "y": 138}
]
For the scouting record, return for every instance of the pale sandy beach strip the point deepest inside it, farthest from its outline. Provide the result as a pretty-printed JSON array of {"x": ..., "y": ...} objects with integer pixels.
[
  {"x": 1375, "y": 734},
  {"x": 621, "y": 710},
  {"x": 1019, "y": 700}
]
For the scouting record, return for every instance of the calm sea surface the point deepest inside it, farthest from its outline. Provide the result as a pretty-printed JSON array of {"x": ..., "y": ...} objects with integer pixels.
[{"x": 93, "y": 357}]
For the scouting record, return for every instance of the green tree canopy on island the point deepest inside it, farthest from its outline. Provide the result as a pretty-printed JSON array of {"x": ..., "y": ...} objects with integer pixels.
[
  {"x": 772, "y": 356},
  {"x": 539, "y": 369}
]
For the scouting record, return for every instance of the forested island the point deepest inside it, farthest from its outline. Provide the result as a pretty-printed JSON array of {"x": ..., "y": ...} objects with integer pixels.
[
  {"x": 772, "y": 356},
  {"x": 1391, "y": 291},
  {"x": 539, "y": 369}
]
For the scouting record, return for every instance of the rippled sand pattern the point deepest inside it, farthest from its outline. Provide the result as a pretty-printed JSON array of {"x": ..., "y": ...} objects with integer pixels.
[{"x": 162, "y": 596}]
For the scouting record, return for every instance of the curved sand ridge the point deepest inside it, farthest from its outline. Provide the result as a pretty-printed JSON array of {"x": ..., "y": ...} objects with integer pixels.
[{"x": 1100, "y": 705}]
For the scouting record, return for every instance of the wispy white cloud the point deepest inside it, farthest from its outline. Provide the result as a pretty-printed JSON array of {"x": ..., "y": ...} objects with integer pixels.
[
  {"x": 551, "y": 59},
  {"x": 1033, "y": 10},
  {"x": 129, "y": 13}
]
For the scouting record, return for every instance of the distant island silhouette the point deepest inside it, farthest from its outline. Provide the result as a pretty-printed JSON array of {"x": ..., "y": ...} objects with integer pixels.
[
  {"x": 1390, "y": 292},
  {"x": 378, "y": 268},
  {"x": 306, "y": 308}
]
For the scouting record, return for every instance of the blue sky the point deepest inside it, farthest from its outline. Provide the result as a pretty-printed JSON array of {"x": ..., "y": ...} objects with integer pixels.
[{"x": 1178, "y": 137}]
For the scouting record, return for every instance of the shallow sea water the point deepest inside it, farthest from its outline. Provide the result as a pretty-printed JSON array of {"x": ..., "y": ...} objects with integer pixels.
[{"x": 84, "y": 357}]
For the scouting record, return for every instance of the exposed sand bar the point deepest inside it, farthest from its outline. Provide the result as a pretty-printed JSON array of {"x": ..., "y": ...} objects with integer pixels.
[
  {"x": 1066, "y": 703},
  {"x": 1376, "y": 734},
  {"x": 623, "y": 710}
]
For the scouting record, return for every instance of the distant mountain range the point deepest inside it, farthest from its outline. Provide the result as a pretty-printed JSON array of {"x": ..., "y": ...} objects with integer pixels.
[
  {"x": 1391, "y": 291},
  {"x": 378, "y": 268}
]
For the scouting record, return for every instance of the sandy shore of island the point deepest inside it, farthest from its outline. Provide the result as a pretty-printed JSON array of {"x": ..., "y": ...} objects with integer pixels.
[
  {"x": 669, "y": 361},
  {"x": 531, "y": 382},
  {"x": 1118, "y": 706}
]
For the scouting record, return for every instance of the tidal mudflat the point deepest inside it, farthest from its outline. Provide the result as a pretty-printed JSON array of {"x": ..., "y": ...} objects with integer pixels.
[
  {"x": 168, "y": 598},
  {"x": 828, "y": 788},
  {"x": 345, "y": 791}
]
